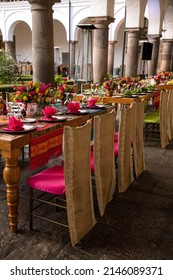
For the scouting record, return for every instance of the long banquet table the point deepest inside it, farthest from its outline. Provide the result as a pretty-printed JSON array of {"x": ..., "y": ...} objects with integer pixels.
[{"x": 10, "y": 146}]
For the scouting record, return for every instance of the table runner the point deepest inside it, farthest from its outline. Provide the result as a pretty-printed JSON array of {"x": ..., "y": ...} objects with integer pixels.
[{"x": 45, "y": 147}]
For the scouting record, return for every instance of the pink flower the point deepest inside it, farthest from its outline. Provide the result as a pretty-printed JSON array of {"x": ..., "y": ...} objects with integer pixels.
[
  {"x": 49, "y": 111},
  {"x": 15, "y": 124},
  {"x": 73, "y": 107}
]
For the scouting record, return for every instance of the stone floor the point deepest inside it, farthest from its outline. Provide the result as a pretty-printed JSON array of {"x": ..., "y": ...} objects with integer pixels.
[{"x": 136, "y": 225}]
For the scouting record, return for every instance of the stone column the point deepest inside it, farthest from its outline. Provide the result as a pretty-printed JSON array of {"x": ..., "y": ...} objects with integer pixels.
[
  {"x": 9, "y": 47},
  {"x": 72, "y": 59},
  {"x": 132, "y": 53},
  {"x": 166, "y": 55},
  {"x": 42, "y": 40},
  {"x": 100, "y": 47},
  {"x": 111, "y": 45},
  {"x": 152, "y": 64}
]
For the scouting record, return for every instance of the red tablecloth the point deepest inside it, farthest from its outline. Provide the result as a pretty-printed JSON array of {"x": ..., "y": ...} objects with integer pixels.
[{"x": 44, "y": 147}]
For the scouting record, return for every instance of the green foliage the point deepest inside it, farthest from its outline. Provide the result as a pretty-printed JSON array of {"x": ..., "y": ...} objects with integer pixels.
[
  {"x": 8, "y": 68},
  {"x": 58, "y": 79},
  {"x": 128, "y": 93}
]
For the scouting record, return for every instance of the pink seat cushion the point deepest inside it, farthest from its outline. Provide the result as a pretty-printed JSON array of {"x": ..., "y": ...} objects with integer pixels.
[
  {"x": 116, "y": 136},
  {"x": 116, "y": 149},
  {"x": 92, "y": 161},
  {"x": 50, "y": 180}
]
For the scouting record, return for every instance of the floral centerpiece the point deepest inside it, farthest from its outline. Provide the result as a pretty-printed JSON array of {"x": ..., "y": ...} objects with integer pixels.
[
  {"x": 109, "y": 85},
  {"x": 30, "y": 92},
  {"x": 2, "y": 106},
  {"x": 65, "y": 91},
  {"x": 162, "y": 77}
]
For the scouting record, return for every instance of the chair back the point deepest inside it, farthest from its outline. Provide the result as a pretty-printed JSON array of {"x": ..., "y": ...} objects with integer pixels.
[
  {"x": 79, "y": 197},
  {"x": 164, "y": 97},
  {"x": 104, "y": 163},
  {"x": 75, "y": 88},
  {"x": 170, "y": 115},
  {"x": 85, "y": 86},
  {"x": 138, "y": 138},
  {"x": 125, "y": 165}
]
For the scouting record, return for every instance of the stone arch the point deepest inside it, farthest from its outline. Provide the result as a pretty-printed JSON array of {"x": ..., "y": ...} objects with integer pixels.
[
  {"x": 12, "y": 20},
  {"x": 61, "y": 16},
  {"x": 79, "y": 18},
  {"x": 135, "y": 13},
  {"x": 168, "y": 23},
  {"x": 154, "y": 17},
  {"x": 116, "y": 25},
  {"x": 60, "y": 39}
]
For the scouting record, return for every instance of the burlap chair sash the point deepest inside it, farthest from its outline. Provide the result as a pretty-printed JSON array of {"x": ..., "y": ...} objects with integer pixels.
[
  {"x": 164, "y": 96},
  {"x": 125, "y": 165},
  {"x": 170, "y": 115},
  {"x": 138, "y": 139},
  {"x": 80, "y": 210},
  {"x": 104, "y": 162}
]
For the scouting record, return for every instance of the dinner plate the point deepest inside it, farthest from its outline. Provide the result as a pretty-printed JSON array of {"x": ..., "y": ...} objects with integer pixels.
[
  {"x": 28, "y": 120},
  {"x": 134, "y": 96},
  {"x": 61, "y": 118},
  {"x": 53, "y": 119},
  {"x": 101, "y": 105},
  {"x": 92, "y": 107},
  {"x": 26, "y": 128},
  {"x": 83, "y": 111}
]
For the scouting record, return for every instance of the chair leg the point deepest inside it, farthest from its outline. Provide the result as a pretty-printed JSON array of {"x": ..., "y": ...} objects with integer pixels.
[
  {"x": 30, "y": 208},
  {"x": 23, "y": 153}
]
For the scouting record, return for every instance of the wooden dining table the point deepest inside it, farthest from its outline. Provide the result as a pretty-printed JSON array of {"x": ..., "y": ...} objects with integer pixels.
[{"x": 10, "y": 149}]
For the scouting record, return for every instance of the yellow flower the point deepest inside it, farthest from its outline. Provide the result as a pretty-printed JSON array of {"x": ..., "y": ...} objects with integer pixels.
[
  {"x": 47, "y": 100},
  {"x": 38, "y": 99},
  {"x": 46, "y": 92},
  {"x": 25, "y": 98}
]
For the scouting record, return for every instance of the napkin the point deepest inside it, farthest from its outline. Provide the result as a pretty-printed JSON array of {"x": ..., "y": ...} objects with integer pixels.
[
  {"x": 14, "y": 124},
  {"x": 73, "y": 107},
  {"x": 49, "y": 111},
  {"x": 92, "y": 102}
]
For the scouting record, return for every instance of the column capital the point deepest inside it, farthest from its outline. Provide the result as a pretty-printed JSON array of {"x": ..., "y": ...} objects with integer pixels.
[
  {"x": 73, "y": 42},
  {"x": 101, "y": 21},
  {"x": 112, "y": 42},
  {"x": 43, "y": 3},
  {"x": 167, "y": 40},
  {"x": 132, "y": 29},
  {"x": 153, "y": 36}
]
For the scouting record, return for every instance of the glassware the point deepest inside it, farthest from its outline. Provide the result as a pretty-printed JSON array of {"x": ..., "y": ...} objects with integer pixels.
[{"x": 84, "y": 100}]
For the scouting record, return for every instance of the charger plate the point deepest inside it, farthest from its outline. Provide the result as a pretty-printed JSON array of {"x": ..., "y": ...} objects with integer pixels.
[{"x": 26, "y": 128}]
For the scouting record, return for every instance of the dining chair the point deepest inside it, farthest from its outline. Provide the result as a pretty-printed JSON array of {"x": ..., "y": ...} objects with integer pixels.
[
  {"x": 152, "y": 125},
  {"x": 102, "y": 158},
  {"x": 138, "y": 138},
  {"x": 125, "y": 159},
  {"x": 71, "y": 181},
  {"x": 85, "y": 86},
  {"x": 160, "y": 120},
  {"x": 75, "y": 88}
]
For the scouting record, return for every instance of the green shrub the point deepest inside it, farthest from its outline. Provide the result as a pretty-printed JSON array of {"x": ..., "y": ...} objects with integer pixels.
[{"x": 8, "y": 68}]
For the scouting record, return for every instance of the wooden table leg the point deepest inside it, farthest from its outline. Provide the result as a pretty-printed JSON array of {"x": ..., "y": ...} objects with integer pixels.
[{"x": 11, "y": 175}]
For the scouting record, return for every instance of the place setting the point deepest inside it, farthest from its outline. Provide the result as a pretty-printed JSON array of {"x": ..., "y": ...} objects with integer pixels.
[
  {"x": 16, "y": 126},
  {"x": 50, "y": 115}
]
